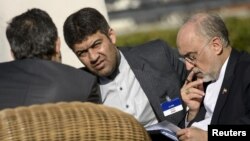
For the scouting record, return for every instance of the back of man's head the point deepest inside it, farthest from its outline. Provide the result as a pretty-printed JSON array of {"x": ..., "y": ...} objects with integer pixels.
[{"x": 32, "y": 35}]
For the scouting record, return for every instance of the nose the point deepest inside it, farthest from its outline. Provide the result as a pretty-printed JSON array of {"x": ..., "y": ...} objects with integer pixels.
[
  {"x": 93, "y": 55},
  {"x": 189, "y": 66}
]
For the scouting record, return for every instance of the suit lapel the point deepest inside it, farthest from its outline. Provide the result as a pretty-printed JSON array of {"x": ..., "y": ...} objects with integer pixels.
[
  {"x": 146, "y": 80},
  {"x": 139, "y": 71},
  {"x": 225, "y": 88}
]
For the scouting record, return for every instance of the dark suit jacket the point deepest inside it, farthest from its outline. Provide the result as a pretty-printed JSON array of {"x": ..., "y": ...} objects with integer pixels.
[
  {"x": 159, "y": 72},
  {"x": 233, "y": 104},
  {"x": 35, "y": 81}
]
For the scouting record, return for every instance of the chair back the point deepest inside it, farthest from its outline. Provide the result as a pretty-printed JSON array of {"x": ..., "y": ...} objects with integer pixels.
[{"x": 72, "y": 121}]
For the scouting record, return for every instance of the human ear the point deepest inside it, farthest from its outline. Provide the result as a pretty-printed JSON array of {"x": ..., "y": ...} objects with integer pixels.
[
  {"x": 112, "y": 35},
  {"x": 58, "y": 45},
  {"x": 57, "y": 56},
  {"x": 217, "y": 45}
]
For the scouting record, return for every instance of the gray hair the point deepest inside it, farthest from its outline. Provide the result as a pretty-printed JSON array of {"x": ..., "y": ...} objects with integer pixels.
[{"x": 210, "y": 25}]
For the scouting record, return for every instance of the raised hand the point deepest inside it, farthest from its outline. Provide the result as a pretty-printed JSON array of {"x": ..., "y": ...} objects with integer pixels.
[{"x": 192, "y": 93}]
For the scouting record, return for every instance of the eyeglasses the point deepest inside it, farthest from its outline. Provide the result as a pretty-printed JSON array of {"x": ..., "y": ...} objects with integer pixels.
[{"x": 192, "y": 56}]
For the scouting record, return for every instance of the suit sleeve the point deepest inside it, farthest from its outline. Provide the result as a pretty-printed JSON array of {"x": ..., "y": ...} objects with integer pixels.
[
  {"x": 245, "y": 119},
  {"x": 95, "y": 94}
]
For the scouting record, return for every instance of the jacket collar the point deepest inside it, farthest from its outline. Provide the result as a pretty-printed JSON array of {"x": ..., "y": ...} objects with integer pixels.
[{"x": 226, "y": 85}]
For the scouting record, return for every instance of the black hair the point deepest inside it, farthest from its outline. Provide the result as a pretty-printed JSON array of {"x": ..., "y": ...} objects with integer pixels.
[
  {"x": 83, "y": 23},
  {"x": 32, "y": 34}
]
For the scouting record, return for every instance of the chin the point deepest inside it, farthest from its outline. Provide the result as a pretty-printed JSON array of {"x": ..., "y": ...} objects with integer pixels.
[
  {"x": 103, "y": 73},
  {"x": 208, "y": 78}
]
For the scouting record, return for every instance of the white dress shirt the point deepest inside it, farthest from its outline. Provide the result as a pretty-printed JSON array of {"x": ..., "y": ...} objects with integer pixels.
[
  {"x": 125, "y": 93},
  {"x": 211, "y": 96}
]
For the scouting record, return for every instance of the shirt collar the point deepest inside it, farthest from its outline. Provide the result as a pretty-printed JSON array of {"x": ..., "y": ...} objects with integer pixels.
[
  {"x": 223, "y": 69},
  {"x": 120, "y": 67}
]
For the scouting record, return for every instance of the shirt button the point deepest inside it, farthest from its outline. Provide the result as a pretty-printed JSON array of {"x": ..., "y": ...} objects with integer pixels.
[
  {"x": 127, "y": 106},
  {"x": 120, "y": 88}
]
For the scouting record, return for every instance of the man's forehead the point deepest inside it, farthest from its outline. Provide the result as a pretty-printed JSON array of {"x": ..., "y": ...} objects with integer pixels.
[
  {"x": 187, "y": 43},
  {"x": 87, "y": 41},
  {"x": 186, "y": 52}
]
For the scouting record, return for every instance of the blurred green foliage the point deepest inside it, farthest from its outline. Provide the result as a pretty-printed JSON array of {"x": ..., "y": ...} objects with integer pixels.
[
  {"x": 140, "y": 37},
  {"x": 239, "y": 34}
]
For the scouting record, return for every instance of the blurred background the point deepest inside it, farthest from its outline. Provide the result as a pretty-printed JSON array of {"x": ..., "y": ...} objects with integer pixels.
[
  {"x": 138, "y": 21},
  {"x": 58, "y": 10},
  {"x": 135, "y": 21}
]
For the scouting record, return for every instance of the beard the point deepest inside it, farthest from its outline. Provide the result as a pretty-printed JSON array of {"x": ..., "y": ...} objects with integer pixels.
[{"x": 206, "y": 77}]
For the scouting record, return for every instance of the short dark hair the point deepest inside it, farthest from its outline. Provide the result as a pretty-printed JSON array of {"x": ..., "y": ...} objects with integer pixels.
[
  {"x": 32, "y": 35},
  {"x": 82, "y": 24}
]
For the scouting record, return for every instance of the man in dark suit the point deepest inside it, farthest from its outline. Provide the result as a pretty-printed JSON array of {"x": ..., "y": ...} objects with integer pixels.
[
  {"x": 138, "y": 80},
  {"x": 37, "y": 76},
  {"x": 204, "y": 44}
]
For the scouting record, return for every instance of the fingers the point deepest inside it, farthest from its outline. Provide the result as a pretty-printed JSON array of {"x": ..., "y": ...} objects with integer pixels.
[
  {"x": 194, "y": 84},
  {"x": 186, "y": 91},
  {"x": 182, "y": 134},
  {"x": 194, "y": 92},
  {"x": 193, "y": 98},
  {"x": 183, "y": 137},
  {"x": 192, "y": 133},
  {"x": 187, "y": 81},
  {"x": 190, "y": 77},
  {"x": 193, "y": 87}
]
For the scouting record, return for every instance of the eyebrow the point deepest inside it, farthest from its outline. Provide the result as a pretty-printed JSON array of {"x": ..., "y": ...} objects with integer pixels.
[
  {"x": 92, "y": 45},
  {"x": 95, "y": 43},
  {"x": 79, "y": 52}
]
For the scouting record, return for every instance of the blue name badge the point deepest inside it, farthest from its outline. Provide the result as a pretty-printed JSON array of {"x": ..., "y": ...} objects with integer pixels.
[{"x": 171, "y": 107}]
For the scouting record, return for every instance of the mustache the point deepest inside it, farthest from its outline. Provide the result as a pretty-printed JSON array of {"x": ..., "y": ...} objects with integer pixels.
[
  {"x": 196, "y": 70},
  {"x": 197, "y": 73}
]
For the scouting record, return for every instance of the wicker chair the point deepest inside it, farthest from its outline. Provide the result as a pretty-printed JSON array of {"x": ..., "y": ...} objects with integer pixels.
[{"x": 73, "y": 121}]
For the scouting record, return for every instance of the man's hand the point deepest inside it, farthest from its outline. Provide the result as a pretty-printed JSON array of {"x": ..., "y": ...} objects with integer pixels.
[
  {"x": 192, "y": 94},
  {"x": 192, "y": 134}
]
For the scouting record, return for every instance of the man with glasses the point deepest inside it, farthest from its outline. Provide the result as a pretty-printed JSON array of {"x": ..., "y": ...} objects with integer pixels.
[{"x": 205, "y": 49}]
